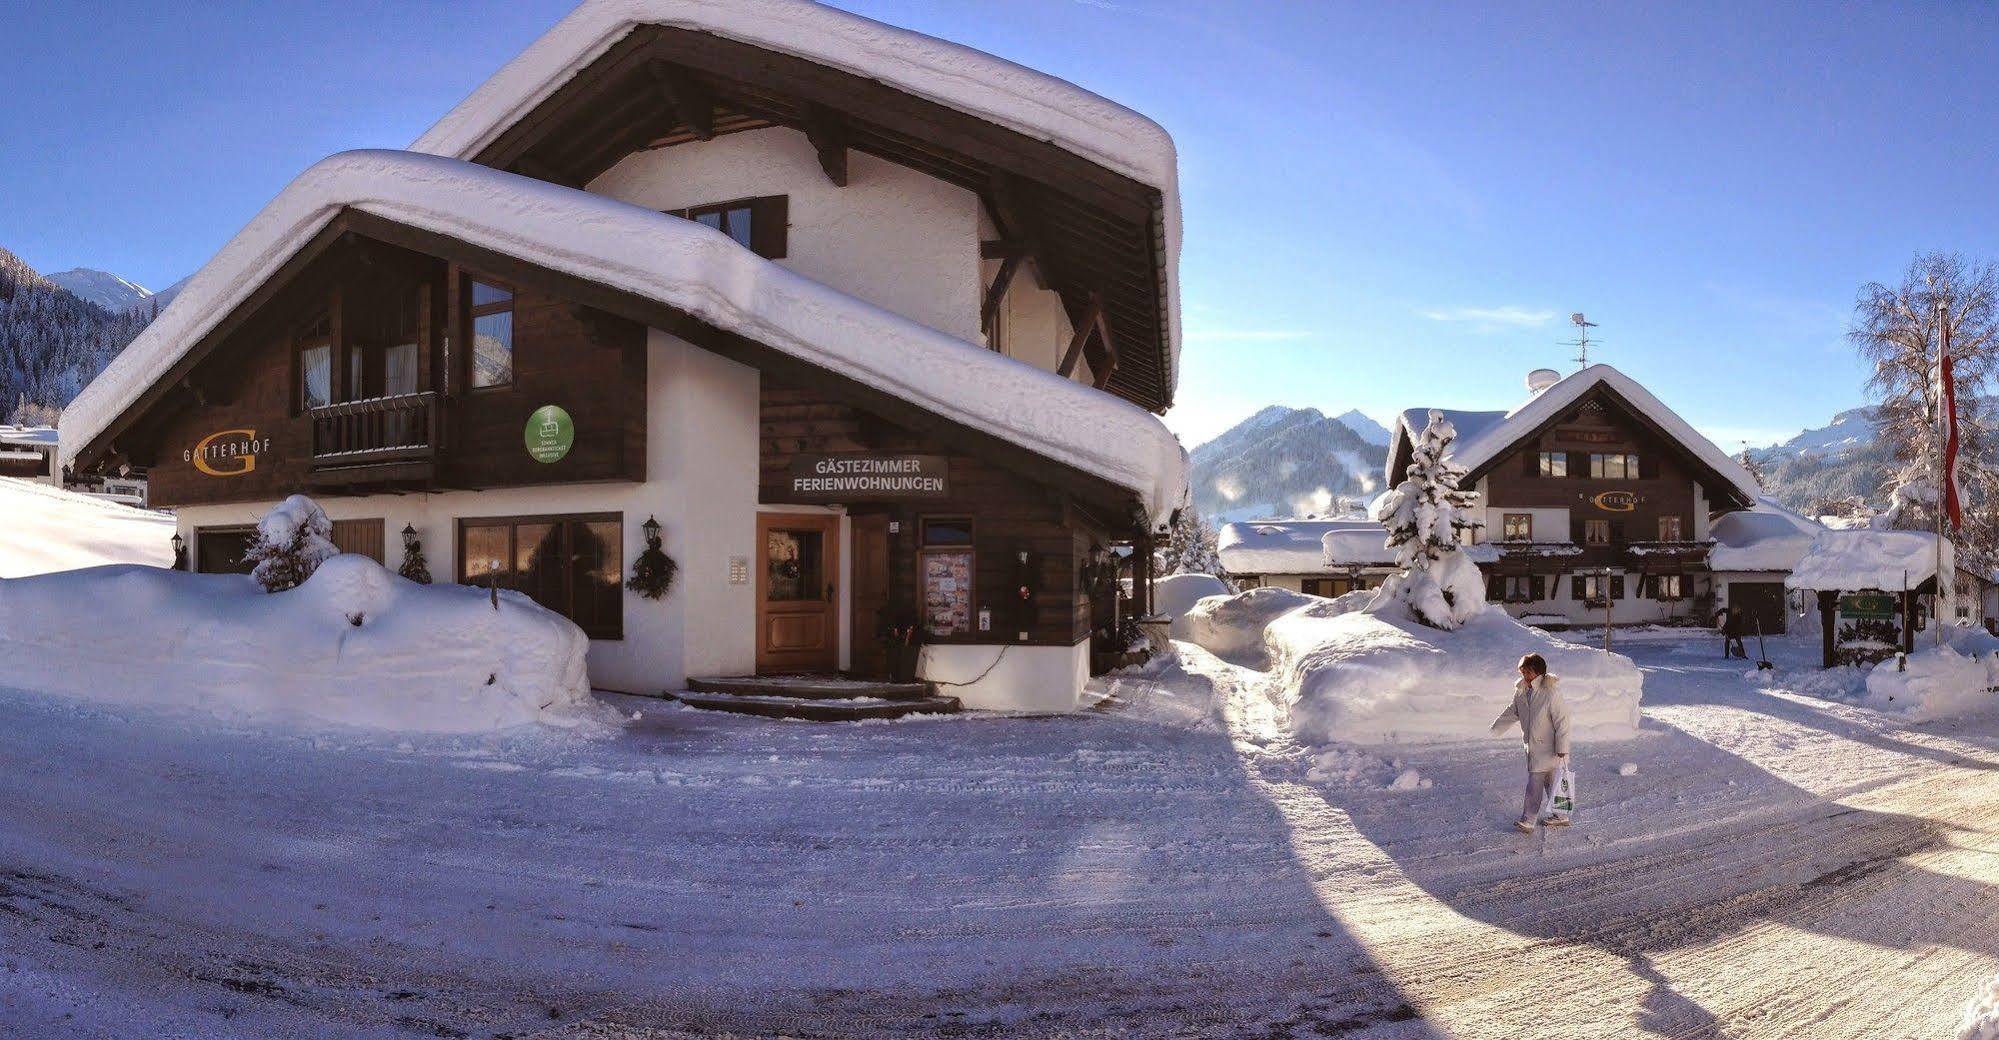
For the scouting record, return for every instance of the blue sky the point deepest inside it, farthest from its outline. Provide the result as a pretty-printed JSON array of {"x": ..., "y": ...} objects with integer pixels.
[{"x": 1387, "y": 205}]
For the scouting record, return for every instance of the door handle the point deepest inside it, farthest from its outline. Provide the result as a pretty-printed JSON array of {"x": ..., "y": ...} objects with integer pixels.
[{"x": 829, "y": 592}]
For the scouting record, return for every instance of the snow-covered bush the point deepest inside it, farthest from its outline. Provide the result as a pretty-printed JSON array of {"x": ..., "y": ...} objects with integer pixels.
[
  {"x": 352, "y": 646},
  {"x": 1426, "y": 515},
  {"x": 1190, "y": 546},
  {"x": 293, "y": 539}
]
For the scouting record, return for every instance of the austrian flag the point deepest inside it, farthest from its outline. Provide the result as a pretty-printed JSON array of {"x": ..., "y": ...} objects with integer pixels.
[{"x": 1948, "y": 414}]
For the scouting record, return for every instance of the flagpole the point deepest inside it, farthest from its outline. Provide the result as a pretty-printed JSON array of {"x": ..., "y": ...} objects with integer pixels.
[{"x": 1946, "y": 424}]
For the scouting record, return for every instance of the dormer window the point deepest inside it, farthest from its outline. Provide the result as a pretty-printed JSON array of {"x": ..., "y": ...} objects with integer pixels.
[
  {"x": 759, "y": 225},
  {"x": 1613, "y": 467}
]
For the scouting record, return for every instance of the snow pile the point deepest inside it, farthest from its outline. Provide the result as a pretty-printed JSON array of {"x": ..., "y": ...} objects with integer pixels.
[
  {"x": 1937, "y": 683},
  {"x": 682, "y": 264},
  {"x": 48, "y": 529},
  {"x": 1843, "y": 561},
  {"x": 1628, "y": 769},
  {"x": 353, "y": 646},
  {"x": 1384, "y": 678},
  {"x": 1767, "y": 537},
  {"x": 1981, "y": 1016},
  {"x": 1175, "y": 595},
  {"x": 1359, "y": 677}
]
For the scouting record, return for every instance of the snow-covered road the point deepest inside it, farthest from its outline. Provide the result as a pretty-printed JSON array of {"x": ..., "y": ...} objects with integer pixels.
[{"x": 1777, "y": 866}]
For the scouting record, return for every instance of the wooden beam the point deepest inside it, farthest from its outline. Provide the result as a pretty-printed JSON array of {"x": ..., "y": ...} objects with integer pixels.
[
  {"x": 1000, "y": 249},
  {"x": 693, "y": 105},
  {"x": 1018, "y": 225},
  {"x": 1109, "y": 346},
  {"x": 1092, "y": 319},
  {"x": 827, "y": 130},
  {"x": 996, "y": 292},
  {"x": 528, "y": 166}
]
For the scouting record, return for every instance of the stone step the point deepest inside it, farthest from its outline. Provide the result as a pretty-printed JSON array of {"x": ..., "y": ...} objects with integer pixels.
[
  {"x": 817, "y": 709},
  {"x": 811, "y": 687}
]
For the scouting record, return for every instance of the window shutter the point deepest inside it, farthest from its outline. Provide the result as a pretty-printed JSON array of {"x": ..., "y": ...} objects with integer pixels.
[
  {"x": 1537, "y": 587},
  {"x": 1578, "y": 464},
  {"x": 1617, "y": 586},
  {"x": 1648, "y": 587},
  {"x": 770, "y": 222},
  {"x": 1617, "y": 532},
  {"x": 1575, "y": 529},
  {"x": 1530, "y": 463},
  {"x": 1495, "y": 587},
  {"x": 1578, "y": 590},
  {"x": 1648, "y": 466}
]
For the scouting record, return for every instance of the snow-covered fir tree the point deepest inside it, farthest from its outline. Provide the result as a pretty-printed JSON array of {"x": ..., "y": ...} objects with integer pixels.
[
  {"x": 1190, "y": 547},
  {"x": 293, "y": 539},
  {"x": 1899, "y": 332},
  {"x": 1755, "y": 468},
  {"x": 51, "y": 342},
  {"x": 1427, "y": 515}
]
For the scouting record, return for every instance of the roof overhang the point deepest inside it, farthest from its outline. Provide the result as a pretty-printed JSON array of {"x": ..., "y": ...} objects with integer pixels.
[
  {"x": 667, "y": 273},
  {"x": 1088, "y": 185}
]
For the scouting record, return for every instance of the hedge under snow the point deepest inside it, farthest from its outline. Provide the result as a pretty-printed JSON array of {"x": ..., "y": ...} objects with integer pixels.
[
  {"x": 1355, "y": 677},
  {"x": 353, "y": 646}
]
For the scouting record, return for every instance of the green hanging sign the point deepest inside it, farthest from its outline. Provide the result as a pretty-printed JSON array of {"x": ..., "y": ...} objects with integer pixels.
[
  {"x": 550, "y": 433},
  {"x": 1867, "y": 607}
]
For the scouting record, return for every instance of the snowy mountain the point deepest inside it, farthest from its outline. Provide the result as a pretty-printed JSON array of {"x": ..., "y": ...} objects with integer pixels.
[
  {"x": 1845, "y": 459},
  {"x": 102, "y": 288},
  {"x": 1287, "y": 462},
  {"x": 1369, "y": 430},
  {"x": 51, "y": 341}
]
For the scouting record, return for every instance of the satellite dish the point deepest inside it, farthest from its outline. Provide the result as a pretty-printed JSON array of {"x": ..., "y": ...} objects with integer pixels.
[{"x": 1542, "y": 378}]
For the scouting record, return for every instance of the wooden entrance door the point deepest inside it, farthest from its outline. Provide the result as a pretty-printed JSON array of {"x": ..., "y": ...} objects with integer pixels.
[
  {"x": 1759, "y": 603},
  {"x": 870, "y": 595},
  {"x": 798, "y": 623}
]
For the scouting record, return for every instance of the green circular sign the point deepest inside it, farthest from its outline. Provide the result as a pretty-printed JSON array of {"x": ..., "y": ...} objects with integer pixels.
[{"x": 550, "y": 433}]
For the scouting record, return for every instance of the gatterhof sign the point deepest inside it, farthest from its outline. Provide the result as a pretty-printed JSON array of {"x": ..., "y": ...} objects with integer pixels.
[
  {"x": 859, "y": 477},
  {"x": 227, "y": 453}
]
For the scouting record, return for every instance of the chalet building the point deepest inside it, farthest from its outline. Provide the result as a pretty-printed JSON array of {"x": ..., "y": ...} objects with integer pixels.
[
  {"x": 876, "y": 329},
  {"x": 1599, "y": 502}
]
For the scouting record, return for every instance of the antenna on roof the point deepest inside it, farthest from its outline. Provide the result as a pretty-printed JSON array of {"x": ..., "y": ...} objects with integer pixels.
[{"x": 1581, "y": 342}]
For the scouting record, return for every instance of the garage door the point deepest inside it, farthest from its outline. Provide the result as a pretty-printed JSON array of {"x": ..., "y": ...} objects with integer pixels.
[{"x": 1759, "y": 602}]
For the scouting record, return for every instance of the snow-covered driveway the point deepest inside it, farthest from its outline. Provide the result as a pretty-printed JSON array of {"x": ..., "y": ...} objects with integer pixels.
[{"x": 1778, "y": 866}]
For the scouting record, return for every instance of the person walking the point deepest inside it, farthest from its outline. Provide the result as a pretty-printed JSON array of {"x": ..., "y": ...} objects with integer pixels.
[
  {"x": 1730, "y": 622},
  {"x": 1543, "y": 719}
]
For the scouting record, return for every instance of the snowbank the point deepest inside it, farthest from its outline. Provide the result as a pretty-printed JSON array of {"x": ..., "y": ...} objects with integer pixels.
[
  {"x": 1175, "y": 595},
  {"x": 1938, "y": 683},
  {"x": 1981, "y": 1016},
  {"x": 679, "y": 263},
  {"x": 353, "y": 646},
  {"x": 1355, "y": 677},
  {"x": 1766, "y": 537},
  {"x": 48, "y": 529}
]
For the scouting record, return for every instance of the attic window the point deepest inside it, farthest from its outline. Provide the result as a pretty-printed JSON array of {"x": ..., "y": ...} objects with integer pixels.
[{"x": 759, "y": 225}]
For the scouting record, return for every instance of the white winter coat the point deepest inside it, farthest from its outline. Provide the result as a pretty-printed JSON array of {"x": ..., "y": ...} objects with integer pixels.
[{"x": 1543, "y": 721}]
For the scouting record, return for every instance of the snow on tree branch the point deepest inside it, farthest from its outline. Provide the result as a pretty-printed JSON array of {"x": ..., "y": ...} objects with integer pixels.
[{"x": 1426, "y": 516}]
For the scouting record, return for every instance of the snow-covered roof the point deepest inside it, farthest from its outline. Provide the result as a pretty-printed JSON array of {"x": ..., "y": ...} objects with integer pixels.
[
  {"x": 679, "y": 263},
  {"x": 1302, "y": 546},
  {"x": 1845, "y": 561},
  {"x": 1483, "y": 436},
  {"x": 950, "y": 74},
  {"x": 1767, "y": 537}
]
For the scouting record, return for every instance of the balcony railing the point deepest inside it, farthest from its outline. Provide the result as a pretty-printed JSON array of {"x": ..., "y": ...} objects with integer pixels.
[{"x": 379, "y": 429}]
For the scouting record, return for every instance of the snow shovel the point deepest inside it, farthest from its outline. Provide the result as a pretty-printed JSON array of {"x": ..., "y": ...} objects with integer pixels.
[{"x": 1762, "y": 653}]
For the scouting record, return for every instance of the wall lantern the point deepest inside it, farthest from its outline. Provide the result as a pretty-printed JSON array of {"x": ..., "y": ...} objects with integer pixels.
[
  {"x": 409, "y": 536},
  {"x": 651, "y": 529},
  {"x": 180, "y": 552}
]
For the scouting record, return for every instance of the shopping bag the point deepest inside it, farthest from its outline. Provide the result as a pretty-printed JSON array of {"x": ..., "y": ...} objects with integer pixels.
[{"x": 1562, "y": 796}]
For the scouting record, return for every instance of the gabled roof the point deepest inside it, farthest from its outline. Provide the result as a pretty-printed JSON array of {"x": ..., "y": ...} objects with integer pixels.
[
  {"x": 678, "y": 263},
  {"x": 1486, "y": 437},
  {"x": 1098, "y": 192}
]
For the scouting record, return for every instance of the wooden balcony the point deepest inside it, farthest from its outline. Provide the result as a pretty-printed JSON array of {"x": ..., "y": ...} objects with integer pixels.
[{"x": 380, "y": 440}]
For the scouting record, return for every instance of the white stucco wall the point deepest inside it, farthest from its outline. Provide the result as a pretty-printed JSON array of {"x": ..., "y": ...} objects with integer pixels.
[
  {"x": 894, "y": 237},
  {"x": 701, "y": 483},
  {"x": 1021, "y": 678}
]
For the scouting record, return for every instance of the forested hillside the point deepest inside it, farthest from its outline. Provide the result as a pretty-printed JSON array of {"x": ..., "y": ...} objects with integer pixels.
[{"x": 51, "y": 342}]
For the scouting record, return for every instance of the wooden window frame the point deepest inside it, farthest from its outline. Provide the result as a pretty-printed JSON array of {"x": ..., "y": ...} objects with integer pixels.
[
  {"x": 473, "y": 312},
  {"x": 969, "y": 547},
  {"x": 1550, "y": 461},
  {"x": 1629, "y": 461},
  {"x": 1679, "y": 529},
  {"x": 1506, "y": 523},
  {"x": 770, "y": 221},
  {"x": 513, "y": 524},
  {"x": 969, "y": 522},
  {"x": 310, "y": 329},
  {"x": 1590, "y": 525}
]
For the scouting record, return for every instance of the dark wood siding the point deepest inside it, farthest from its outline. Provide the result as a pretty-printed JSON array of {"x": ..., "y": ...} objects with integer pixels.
[
  {"x": 1663, "y": 487},
  {"x": 1011, "y": 514}
]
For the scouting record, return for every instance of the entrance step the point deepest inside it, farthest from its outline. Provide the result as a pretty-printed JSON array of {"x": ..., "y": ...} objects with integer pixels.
[
  {"x": 812, "y": 687},
  {"x": 848, "y": 707}
]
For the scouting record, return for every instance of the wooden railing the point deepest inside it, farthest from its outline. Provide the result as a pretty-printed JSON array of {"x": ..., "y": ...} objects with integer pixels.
[{"x": 379, "y": 429}]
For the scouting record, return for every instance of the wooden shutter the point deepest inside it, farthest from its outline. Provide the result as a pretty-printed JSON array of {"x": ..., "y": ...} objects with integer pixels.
[
  {"x": 1648, "y": 466},
  {"x": 1617, "y": 586},
  {"x": 1578, "y": 589},
  {"x": 1531, "y": 460},
  {"x": 359, "y": 536},
  {"x": 1617, "y": 532},
  {"x": 1537, "y": 586},
  {"x": 1578, "y": 464},
  {"x": 1495, "y": 587},
  {"x": 770, "y": 222}
]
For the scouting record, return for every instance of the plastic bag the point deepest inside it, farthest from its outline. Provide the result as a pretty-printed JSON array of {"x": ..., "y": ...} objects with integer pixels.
[{"x": 1562, "y": 796}]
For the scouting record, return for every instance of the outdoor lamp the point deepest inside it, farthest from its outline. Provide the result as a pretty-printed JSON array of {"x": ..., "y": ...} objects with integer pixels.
[
  {"x": 651, "y": 529},
  {"x": 179, "y": 542},
  {"x": 409, "y": 536}
]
